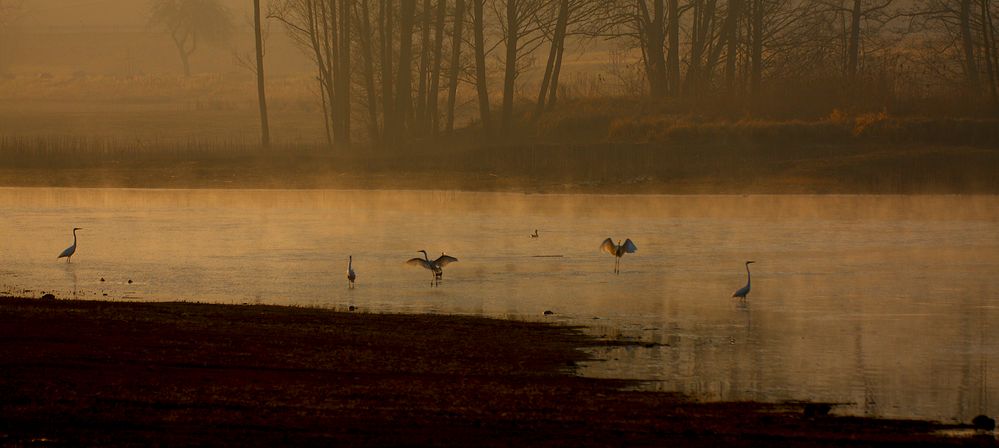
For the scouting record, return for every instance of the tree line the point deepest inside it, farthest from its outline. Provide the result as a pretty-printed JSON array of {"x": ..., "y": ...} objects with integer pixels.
[{"x": 395, "y": 66}]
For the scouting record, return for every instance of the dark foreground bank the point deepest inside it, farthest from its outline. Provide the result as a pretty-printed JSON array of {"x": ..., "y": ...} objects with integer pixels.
[{"x": 102, "y": 373}]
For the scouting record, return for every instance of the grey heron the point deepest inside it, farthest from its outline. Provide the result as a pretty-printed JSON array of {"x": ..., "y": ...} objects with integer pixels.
[
  {"x": 68, "y": 253},
  {"x": 744, "y": 291},
  {"x": 351, "y": 275},
  {"x": 618, "y": 250}
]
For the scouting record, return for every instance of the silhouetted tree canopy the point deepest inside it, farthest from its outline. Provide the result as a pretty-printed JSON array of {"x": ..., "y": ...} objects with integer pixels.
[{"x": 191, "y": 22}]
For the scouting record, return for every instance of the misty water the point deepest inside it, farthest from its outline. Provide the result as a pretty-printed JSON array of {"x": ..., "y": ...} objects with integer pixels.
[{"x": 887, "y": 304}]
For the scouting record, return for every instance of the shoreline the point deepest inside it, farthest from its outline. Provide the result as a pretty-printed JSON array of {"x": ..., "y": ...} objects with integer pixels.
[
  {"x": 462, "y": 182},
  {"x": 114, "y": 373},
  {"x": 608, "y": 168}
]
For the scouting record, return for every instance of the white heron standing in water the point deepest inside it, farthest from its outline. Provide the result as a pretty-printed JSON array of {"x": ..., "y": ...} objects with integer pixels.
[
  {"x": 68, "y": 253},
  {"x": 351, "y": 276},
  {"x": 744, "y": 291},
  {"x": 435, "y": 266},
  {"x": 618, "y": 250}
]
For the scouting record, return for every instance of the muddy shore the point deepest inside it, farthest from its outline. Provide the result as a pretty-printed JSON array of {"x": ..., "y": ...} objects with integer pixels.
[{"x": 112, "y": 373}]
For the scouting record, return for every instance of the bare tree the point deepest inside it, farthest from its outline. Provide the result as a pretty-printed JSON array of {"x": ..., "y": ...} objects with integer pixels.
[
  {"x": 557, "y": 48},
  {"x": 9, "y": 10},
  {"x": 425, "y": 49},
  {"x": 404, "y": 83},
  {"x": 968, "y": 46},
  {"x": 433, "y": 94},
  {"x": 190, "y": 22},
  {"x": 481, "y": 82},
  {"x": 265, "y": 133},
  {"x": 386, "y": 31},
  {"x": 457, "y": 37},
  {"x": 322, "y": 30},
  {"x": 365, "y": 40},
  {"x": 989, "y": 46},
  {"x": 651, "y": 24},
  {"x": 957, "y": 33},
  {"x": 522, "y": 35}
]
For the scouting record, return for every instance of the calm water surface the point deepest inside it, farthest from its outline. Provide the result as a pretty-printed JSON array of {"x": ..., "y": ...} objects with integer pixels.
[{"x": 888, "y": 304}]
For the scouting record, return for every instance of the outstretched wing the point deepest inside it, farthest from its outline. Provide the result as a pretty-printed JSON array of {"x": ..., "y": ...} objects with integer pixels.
[
  {"x": 444, "y": 260},
  {"x": 420, "y": 262},
  {"x": 629, "y": 247},
  {"x": 608, "y": 246}
]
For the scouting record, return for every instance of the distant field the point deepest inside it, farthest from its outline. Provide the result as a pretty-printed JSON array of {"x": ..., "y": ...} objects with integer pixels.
[{"x": 203, "y": 132}]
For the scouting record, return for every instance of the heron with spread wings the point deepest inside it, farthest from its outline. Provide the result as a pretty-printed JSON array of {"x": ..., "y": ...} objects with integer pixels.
[
  {"x": 618, "y": 250},
  {"x": 435, "y": 266}
]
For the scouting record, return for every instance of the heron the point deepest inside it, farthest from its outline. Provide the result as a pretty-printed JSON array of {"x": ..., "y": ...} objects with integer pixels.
[
  {"x": 535, "y": 234},
  {"x": 351, "y": 275},
  {"x": 618, "y": 250},
  {"x": 435, "y": 266},
  {"x": 68, "y": 253},
  {"x": 744, "y": 291}
]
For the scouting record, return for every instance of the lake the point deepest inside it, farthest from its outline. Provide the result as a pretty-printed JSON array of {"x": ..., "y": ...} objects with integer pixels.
[{"x": 883, "y": 303}]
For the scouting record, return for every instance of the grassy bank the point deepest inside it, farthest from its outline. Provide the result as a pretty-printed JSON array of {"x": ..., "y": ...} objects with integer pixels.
[
  {"x": 101, "y": 373},
  {"x": 717, "y": 164}
]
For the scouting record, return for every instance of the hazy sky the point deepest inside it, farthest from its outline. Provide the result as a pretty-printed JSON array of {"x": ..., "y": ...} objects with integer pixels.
[
  {"x": 99, "y": 13},
  {"x": 114, "y": 37}
]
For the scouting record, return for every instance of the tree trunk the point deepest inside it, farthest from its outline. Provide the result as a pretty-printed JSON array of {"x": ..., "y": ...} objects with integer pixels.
[
  {"x": 385, "y": 31},
  {"x": 435, "y": 74},
  {"x": 404, "y": 83},
  {"x": 326, "y": 111},
  {"x": 968, "y": 46},
  {"x": 673, "y": 72},
  {"x": 654, "y": 42},
  {"x": 557, "y": 37},
  {"x": 756, "y": 58},
  {"x": 987, "y": 40},
  {"x": 265, "y": 134},
  {"x": 421, "y": 95},
  {"x": 703, "y": 16},
  {"x": 343, "y": 77},
  {"x": 553, "y": 89},
  {"x": 995, "y": 45},
  {"x": 326, "y": 26},
  {"x": 853, "y": 51},
  {"x": 459, "y": 21},
  {"x": 727, "y": 40},
  {"x": 480, "y": 66},
  {"x": 316, "y": 42},
  {"x": 510, "y": 75},
  {"x": 367, "y": 56},
  {"x": 732, "y": 35},
  {"x": 182, "y": 51}
]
